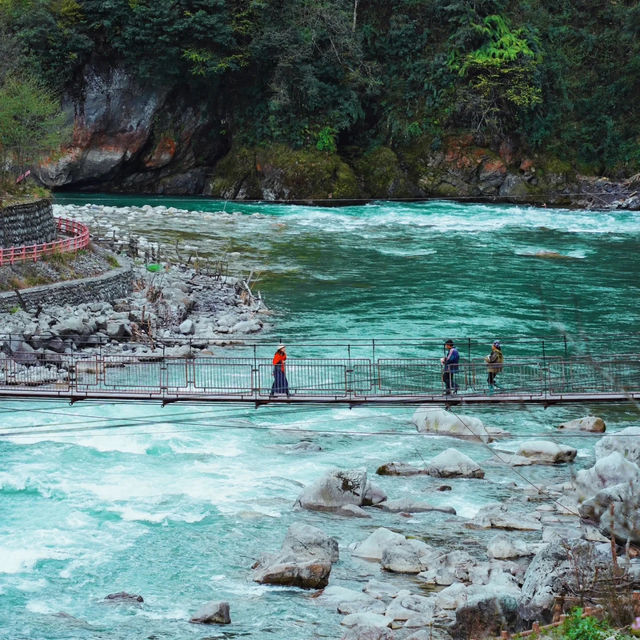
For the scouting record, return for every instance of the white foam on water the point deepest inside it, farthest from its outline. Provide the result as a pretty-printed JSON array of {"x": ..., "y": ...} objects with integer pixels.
[
  {"x": 137, "y": 515},
  {"x": 43, "y": 607},
  {"x": 16, "y": 559}
]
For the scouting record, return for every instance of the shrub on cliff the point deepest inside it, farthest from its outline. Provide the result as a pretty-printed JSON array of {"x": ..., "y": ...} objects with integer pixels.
[{"x": 31, "y": 124}]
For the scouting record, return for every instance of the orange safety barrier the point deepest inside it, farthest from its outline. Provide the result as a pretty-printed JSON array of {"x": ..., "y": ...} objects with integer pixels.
[{"x": 79, "y": 240}]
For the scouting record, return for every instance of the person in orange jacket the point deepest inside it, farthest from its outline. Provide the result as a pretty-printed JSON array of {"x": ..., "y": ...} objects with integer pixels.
[{"x": 280, "y": 383}]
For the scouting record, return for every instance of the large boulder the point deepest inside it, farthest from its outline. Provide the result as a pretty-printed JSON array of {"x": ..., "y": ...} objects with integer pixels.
[
  {"x": 304, "y": 560},
  {"x": 430, "y": 420},
  {"x": 334, "y": 490},
  {"x": 557, "y": 570},
  {"x": 486, "y": 614},
  {"x": 373, "y": 546},
  {"x": 451, "y": 463},
  {"x": 588, "y": 423},
  {"x": 606, "y": 472},
  {"x": 616, "y": 510},
  {"x": 304, "y": 540},
  {"x": 546, "y": 452},
  {"x": 625, "y": 442},
  {"x": 405, "y": 556}
]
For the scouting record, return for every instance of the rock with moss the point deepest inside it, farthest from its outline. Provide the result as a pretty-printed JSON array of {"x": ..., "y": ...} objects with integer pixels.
[
  {"x": 383, "y": 177},
  {"x": 281, "y": 173}
]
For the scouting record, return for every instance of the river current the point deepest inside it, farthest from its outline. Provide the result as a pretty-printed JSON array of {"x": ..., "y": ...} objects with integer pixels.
[{"x": 176, "y": 503}]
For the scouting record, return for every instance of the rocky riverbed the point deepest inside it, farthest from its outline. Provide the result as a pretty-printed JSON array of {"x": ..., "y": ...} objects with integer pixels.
[
  {"x": 545, "y": 548},
  {"x": 178, "y": 310}
]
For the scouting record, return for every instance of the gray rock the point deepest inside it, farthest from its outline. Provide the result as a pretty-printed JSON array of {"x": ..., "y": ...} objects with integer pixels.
[
  {"x": 502, "y": 547},
  {"x": 430, "y": 420},
  {"x": 334, "y": 490},
  {"x": 372, "y": 547},
  {"x": 247, "y": 326},
  {"x": 25, "y": 354},
  {"x": 588, "y": 423},
  {"x": 187, "y": 327},
  {"x": 433, "y": 633},
  {"x": 352, "y": 511},
  {"x": 124, "y": 597},
  {"x": 616, "y": 510},
  {"x": 486, "y": 613},
  {"x": 366, "y": 619},
  {"x": 399, "y": 469},
  {"x": 380, "y": 590},
  {"x": 373, "y": 495},
  {"x": 303, "y": 540},
  {"x": 407, "y": 505},
  {"x": 304, "y": 560},
  {"x": 405, "y": 556},
  {"x": 546, "y": 452},
  {"x": 118, "y": 329},
  {"x": 348, "y": 601},
  {"x": 451, "y": 463},
  {"x": 608, "y": 471},
  {"x": 498, "y": 516},
  {"x": 626, "y": 442},
  {"x": 71, "y": 325},
  {"x": 447, "y": 568},
  {"x": 554, "y": 572},
  {"x": 213, "y": 612},
  {"x": 407, "y": 605}
]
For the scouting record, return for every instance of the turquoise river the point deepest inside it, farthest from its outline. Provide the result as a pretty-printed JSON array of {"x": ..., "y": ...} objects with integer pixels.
[{"x": 177, "y": 503}]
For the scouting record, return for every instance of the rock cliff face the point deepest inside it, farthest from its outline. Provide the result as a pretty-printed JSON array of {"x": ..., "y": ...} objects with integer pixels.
[{"x": 136, "y": 138}]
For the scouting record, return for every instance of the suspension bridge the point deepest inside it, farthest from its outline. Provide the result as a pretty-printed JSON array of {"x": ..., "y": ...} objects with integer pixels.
[{"x": 352, "y": 381}]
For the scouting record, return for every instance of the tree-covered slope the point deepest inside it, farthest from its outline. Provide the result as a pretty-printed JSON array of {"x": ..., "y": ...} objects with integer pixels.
[{"x": 552, "y": 79}]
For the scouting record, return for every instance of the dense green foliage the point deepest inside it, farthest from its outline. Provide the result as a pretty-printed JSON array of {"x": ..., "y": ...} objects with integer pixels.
[
  {"x": 560, "y": 77},
  {"x": 31, "y": 121}
]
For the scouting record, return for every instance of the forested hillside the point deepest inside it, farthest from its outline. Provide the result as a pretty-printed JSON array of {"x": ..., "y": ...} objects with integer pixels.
[{"x": 359, "y": 86}]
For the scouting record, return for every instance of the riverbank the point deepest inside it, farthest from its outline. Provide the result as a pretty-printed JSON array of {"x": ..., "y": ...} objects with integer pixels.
[{"x": 175, "y": 308}]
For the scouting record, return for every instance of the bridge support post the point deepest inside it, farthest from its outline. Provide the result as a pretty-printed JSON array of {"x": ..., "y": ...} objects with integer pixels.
[{"x": 255, "y": 382}]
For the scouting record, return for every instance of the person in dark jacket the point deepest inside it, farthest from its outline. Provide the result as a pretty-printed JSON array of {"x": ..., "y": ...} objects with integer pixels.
[
  {"x": 280, "y": 383},
  {"x": 494, "y": 362},
  {"x": 450, "y": 363}
]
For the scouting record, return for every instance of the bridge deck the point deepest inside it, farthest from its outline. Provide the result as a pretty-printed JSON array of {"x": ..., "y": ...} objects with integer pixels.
[{"x": 321, "y": 381}]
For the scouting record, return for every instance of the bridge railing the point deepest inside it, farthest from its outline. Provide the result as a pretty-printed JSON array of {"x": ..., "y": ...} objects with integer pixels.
[
  {"x": 336, "y": 378},
  {"x": 405, "y": 377}
]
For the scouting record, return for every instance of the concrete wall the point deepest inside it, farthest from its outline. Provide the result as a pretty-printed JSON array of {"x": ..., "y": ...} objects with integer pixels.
[
  {"x": 29, "y": 223},
  {"x": 106, "y": 287}
]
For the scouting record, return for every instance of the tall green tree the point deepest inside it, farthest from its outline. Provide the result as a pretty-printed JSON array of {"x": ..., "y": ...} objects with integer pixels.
[
  {"x": 31, "y": 123},
  {"x": 500, "y": 78}
]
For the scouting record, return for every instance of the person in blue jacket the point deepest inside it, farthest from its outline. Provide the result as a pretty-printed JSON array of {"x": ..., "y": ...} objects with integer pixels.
[{"x": 450, "y": 363}]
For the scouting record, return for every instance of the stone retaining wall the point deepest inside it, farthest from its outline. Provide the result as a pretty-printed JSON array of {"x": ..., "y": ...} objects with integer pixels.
[
  {"x": 109, "y": 286},
  {"x": 26, "y": 224}
]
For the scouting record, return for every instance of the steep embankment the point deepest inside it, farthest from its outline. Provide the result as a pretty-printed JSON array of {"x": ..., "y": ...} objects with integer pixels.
[
  {"x": 301, "y": 100},
  {"x": 135, "y": 138}
]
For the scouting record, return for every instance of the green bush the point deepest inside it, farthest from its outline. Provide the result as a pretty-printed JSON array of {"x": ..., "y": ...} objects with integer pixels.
[{"x": 577, "y": 627}]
